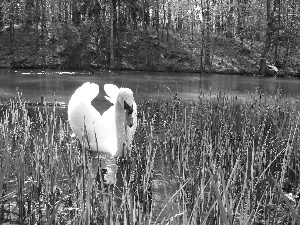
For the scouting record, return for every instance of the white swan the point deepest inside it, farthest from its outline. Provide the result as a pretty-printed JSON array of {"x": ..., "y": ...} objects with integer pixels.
[{"x": 113, "y": 131}]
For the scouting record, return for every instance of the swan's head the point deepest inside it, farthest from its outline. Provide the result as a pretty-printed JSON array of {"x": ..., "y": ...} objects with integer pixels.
[{"x": 126, "y": 100}]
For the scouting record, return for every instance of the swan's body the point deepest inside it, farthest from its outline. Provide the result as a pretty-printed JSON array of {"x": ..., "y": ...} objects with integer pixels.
[{"x": 111, "y": 132}]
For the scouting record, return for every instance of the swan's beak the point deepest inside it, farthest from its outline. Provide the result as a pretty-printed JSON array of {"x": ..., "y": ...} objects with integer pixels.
[
  {"x": 129, "y": 111},
  {"x": 129, "y": 120}
]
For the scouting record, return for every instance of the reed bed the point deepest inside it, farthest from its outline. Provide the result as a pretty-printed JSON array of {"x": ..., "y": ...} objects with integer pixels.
[{"x": 217, "y": 160}]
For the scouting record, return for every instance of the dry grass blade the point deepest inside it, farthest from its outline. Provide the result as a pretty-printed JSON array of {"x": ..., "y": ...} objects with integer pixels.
[
  {"x": 209, "y": 211},
  {"x": 269, "y": 165}
]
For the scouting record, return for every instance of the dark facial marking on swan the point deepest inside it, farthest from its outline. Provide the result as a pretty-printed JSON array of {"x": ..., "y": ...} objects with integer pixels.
[{"x": 128, "y": 108}]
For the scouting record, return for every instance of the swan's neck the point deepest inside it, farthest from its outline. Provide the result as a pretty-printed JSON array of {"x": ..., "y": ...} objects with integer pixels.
[{"x": 120, "y": 128}]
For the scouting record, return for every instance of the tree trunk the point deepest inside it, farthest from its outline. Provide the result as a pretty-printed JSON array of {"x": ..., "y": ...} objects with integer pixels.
[
  {"x": 75, "y": 13},
  {"x": 207, "y": 34},
  {"x": 179, "y": 24},
  {"x": 157, "y": 30},
  {"x": 65, "y": 12},
  {"x": 230, "y": 27},
  {"x": 263, "y": 60},
  {"x": 118, "y": 25},
  {"x": 202, "y": 38},
  {"x": 169, "y": 17},
  {"x": 1, "y": 17},
  {"x": 276, "y": 10},
  {"x": 145, "y": 35},
  {"x": 164, "y": 17},
  {"x": 193, "y": 22},
  {"x": 288, "y": 44},
  {"x": 133, "y": 14},
  {"x": 44, "y": 27},
  {"x": 37, "y": 22},
  {"x": 239, "y": 19},
  {"x": 29, "y": 6},
  {"x": 218, "y": 24},
  {"x": 12, "y": 26},
  {"x": 222, "y": 20},
  {"x": 59, "y": 16},
  {"x": 112, "y": 55}
]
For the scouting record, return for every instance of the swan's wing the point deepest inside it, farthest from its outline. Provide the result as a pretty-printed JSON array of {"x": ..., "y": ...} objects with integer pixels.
[
  {"x": 81, "y": 114},
  {"x": 112, "y": 92},
  {"x": 105, "y": 130},
  {"x": 83, "y": 117},
  {"x": 109, "y": 114},
  {"x": 108, "y": 117},
  {"x": 81, "y": 97},
  {"x": 86, "y": 93}
]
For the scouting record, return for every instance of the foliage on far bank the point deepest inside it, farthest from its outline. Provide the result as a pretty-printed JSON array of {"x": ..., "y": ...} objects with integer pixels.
[
  {"x": 246, "y": 37},
  {"x": 71, "y": 47}
]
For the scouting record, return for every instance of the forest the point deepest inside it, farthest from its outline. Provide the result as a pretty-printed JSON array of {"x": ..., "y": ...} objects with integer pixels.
[{"x": 258, "y": 37}]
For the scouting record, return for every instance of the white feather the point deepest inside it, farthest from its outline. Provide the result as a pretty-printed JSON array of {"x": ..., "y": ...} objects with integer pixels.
[
  {"x": 112, "y": 91},
  {"x": 103, "y": 133}
]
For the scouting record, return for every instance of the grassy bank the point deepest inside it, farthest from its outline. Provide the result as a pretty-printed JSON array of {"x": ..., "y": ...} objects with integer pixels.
[{"x": 219, "y": 160}]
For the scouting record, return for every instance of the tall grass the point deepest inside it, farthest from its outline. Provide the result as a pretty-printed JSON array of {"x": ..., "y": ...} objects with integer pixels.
[{"x": 218, "y": 160}]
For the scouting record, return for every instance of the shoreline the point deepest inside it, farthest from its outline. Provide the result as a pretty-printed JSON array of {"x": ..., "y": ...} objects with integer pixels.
[{"x": 184, "y": 70}]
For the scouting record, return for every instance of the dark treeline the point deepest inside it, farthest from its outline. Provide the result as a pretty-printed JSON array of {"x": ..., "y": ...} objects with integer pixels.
[{"x": 245, "y": 36}]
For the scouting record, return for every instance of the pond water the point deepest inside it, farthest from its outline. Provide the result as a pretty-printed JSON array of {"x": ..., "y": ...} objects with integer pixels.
[{"x": 60, "y": 85}]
